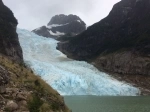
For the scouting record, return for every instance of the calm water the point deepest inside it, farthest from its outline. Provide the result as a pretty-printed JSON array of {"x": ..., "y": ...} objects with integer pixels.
[{"x": 108, "y": 104}]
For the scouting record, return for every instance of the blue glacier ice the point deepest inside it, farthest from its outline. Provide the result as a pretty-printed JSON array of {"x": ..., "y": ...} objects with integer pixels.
[{"x": 67, "y": 76}]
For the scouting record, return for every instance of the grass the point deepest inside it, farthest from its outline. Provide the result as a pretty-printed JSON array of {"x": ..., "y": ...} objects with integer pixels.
[
  {"x": 43, "y": 97},
  {"x": 35, "y": 103}
]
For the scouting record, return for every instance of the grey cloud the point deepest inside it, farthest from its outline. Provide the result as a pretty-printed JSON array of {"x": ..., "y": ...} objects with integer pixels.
[{"x": 34, "y": 13}]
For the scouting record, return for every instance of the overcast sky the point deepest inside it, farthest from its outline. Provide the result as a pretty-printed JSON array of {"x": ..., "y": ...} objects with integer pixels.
[{"x": 35, "y": 13}]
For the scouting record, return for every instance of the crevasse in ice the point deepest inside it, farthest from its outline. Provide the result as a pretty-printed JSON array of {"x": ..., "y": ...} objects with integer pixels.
[{"x": 67, "y": 76}]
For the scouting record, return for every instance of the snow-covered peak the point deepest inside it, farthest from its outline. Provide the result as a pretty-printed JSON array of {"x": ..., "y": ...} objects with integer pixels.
[{"x": 62, "y": 25}]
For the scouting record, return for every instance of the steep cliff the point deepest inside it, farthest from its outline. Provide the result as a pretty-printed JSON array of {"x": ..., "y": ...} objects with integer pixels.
[
  {"x": 126, "y": 28},
  {"x": 119, "y": 44},
  {"x": 62, "y": 26},
  {"x": 9, "y": 44}
]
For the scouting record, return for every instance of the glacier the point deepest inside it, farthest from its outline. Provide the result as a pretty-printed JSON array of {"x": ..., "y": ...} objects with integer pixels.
[{"x": 67, "y": 76}]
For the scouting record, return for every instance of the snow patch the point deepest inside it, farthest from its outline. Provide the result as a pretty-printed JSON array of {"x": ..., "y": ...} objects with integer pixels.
[
  {"x": 79, "y": 21},
  {"x": 37, "y": 29},
  {"x": 57, "y": 33},
  {"x": 67, "y": 76},
  {"x": 56, "y": 25}
]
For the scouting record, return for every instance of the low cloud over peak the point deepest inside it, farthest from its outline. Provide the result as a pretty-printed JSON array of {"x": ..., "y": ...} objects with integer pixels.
[{"x": 34, "y": 13}]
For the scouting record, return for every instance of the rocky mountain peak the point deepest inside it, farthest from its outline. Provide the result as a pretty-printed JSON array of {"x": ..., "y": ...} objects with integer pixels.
[
  {"x": 62, "y": 25},
  {"x": 64, "y": 19}
]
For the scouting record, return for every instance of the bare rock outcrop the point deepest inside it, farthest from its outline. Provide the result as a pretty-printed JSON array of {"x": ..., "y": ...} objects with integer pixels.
[
  {"x": 9, "y": 44},
  {"x": 62, "y": 26}
]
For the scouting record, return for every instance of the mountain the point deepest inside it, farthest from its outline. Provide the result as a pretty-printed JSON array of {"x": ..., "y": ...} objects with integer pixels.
[
  {"x": 119, "y": 43},
  {"x": 20, "y": 89},
  {"x": 62, "y": 25},
  {"x": 9, "y": 44}
]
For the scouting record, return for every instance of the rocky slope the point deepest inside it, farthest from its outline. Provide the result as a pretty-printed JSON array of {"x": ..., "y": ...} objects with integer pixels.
[
  {"x": 120, "y": 43},
  {"x": 9, "y": 44},
  {"x": 62, "y": 25},
  {"x": 20, "y": 89}
]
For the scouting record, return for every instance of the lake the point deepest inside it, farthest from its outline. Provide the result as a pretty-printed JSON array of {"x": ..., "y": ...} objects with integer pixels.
[{"x": 108, "y": 103}]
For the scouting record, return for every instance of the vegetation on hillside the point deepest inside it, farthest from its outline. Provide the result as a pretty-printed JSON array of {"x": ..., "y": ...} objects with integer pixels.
[{"x": 41, "y": 97}]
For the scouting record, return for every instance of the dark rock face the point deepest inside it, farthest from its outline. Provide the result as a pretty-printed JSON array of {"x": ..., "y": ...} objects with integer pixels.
[
  {"x": 125, "y": 62},
  {"x": 4, "y": 76},
  {"x": 126, "y": 28},
  {"x": 63, "y": 19},
  {"x": 66, "y": 26},
  {"x": 74, "y": 27},
  {"x": 9, "y": 44},
  {"x": 42, "y": 31}
]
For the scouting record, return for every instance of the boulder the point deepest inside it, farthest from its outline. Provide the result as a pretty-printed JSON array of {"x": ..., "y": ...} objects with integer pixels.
[
  {"x": 11, "y": 105},
  {"x": 2, "y": 89}
]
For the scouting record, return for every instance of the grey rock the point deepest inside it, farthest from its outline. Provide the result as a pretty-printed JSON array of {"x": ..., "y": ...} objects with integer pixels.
[
  {"x": 11, "y": 105},
  {"x": 4, "y": 76},
  {"x": 20, "y": 97},
  {"x": 2, "y": 89}
]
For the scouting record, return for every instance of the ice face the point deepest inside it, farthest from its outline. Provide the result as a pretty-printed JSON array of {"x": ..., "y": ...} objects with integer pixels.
[{"x": 67, "y": 76}]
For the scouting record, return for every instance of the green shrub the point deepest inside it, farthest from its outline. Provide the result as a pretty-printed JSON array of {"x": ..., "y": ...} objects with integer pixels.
[
  {"x": 37, "y": 83},
  {"x": 35, "y": 104},
  {"x": 55, "y": 106}
]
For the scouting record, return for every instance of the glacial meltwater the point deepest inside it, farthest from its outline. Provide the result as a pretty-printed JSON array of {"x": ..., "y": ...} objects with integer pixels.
[{"x": 108, "y": 104}]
